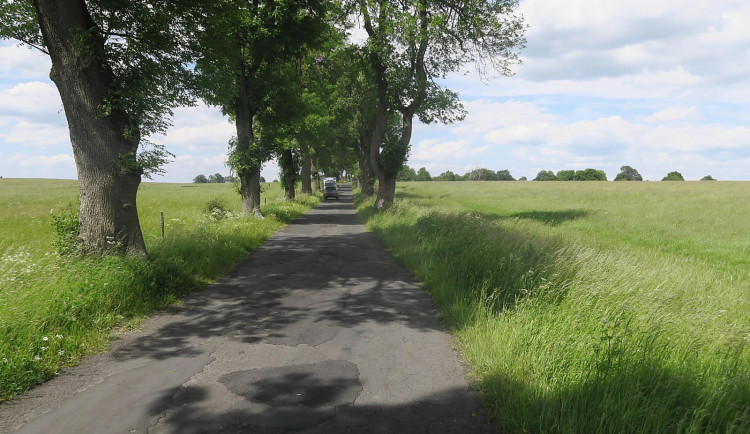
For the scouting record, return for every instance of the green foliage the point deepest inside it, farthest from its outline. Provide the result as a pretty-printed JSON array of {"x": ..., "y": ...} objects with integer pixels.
[
  {"x": 565, "y": 175},
  {"x": 406, "y": 174},
  {"x": 708, "y": 178},
  {"x": 423, "y": 175},
  {"x": 480, "y": 175},
  {"x": 627, "y": 173},
  {"x": 216, "y": 178},
  {"x": 504, "y": 175},
  {"x": 200, "y": 179},
  {"x": 523, "y": 178},
  {"x": 216, "y": 209},
  {"x": 673, "y": 176},
  {"x": 594, "y": 307},
  {"x": 66, "y": 224},
  {"x": 147, "y": 60},
  {"x": 446, "y": 176},
  {"x": 545, "y": 175},
  {"x": 54, "y": 309},
  {"x": 590, "y": 175}
]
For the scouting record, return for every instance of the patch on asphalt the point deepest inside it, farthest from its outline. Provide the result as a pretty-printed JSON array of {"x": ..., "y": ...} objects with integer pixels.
[{"x": 325, "y": 384}]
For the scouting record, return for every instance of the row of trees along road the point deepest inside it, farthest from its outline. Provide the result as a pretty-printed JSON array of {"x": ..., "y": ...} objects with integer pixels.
[{"x": 281, "y": 70}]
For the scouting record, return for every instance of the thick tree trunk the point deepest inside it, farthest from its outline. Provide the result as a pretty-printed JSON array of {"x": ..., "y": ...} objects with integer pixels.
[
  {"x": 288, "y": 172},
  {"x": 305, "y": 169},
  {"x": 314, "y": 169},
  {"x": 250, "y": 192},
  {"x": 105, "y": 158},
  {"x": 249, "y": 176}
]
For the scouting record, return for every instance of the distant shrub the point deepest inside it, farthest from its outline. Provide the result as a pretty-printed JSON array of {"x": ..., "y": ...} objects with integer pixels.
[
  {"x": 481, "y": 174},
  {"x": 545, "y": 175},
  {"x": 523, "y": 178},
  {"x": 504, "y": 175},
  {"x": 565, "y": 175},
  {"x": 627, "y": 173},
  {"x": 445, "y": 176},
  {"x": 708, "y": 178},
  {"x": 66, "y": 224},
  {"x": 200, "y": 179},
  {"x": 673, "y": 176},
  {"x": 590, "y": 175}
]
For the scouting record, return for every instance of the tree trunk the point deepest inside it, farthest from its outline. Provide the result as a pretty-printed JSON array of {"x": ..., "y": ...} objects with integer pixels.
[
  {"x": 314, "y": 169},
  {"x": 305, "y": 169},
  {"x": 105, "y": 158},
  {"x": 249, "y": 176},
  {"x": 250, "y": 192},
  {"x": 366, "y": 176},
  {"x": 288, "y": 173}
]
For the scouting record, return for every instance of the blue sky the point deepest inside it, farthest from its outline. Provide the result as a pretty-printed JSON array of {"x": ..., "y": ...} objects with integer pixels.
[{"x": 659, "y": 85}]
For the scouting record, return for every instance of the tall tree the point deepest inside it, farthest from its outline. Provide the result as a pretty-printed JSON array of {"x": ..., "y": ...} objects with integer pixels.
[
  {"x": 413, "y": 42},
  {"x": 119, "y": 68},
  {"x": 240, "y": 43}
]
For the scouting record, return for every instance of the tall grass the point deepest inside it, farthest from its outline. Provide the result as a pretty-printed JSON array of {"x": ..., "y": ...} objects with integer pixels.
[
  {"x": 55, "y": 309},
  {"x": 570, "y": 321}
]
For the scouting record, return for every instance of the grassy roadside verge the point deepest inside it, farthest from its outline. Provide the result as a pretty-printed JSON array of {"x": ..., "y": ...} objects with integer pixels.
[
  {"x": 54, "y": 310},
  {"x": 569, "y": 336}
]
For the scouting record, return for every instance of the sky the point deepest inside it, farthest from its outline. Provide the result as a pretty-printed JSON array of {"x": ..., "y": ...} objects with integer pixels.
[{"x": 659, "y": 85}]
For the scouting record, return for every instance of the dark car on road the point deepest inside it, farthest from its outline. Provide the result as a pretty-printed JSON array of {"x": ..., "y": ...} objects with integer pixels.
[{"x": 330, "y": 189}]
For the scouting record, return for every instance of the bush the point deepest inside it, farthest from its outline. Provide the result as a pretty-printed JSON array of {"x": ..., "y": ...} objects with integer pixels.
[
  {"x": 423, "y": 175},
  {"x": 216, "y": 209},
  {"x": 66, "y": 224},
  {"x": 504, "y": 175},
  {"x": 673, "y": 176},
  {"x": 545, "y": 175},
  {"x": 708, "y": 178},
  {"x": 565, "y": 175},
  {"x": 200, "y": 179},
  {"x": 590, "y": 175}
]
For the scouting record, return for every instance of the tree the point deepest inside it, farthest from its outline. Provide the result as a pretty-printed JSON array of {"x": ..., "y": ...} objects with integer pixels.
[
  {"x": 523, "y": 178},
  {"x": 565, "y": 175},
  {"x": 216, "y": 178},
  {"x": 545, "y": 175},
  {"x": 407, "y": 174},
  {"x": 504, "y": 175},
  {"x": 119, "y": 68},
  {"x": 200, "y": 179},
  {"x": 481, "y": 174},
  {"x": 423, "y": 175},
  {"x": 673, "y": 176},
  {"x": 242, "y": 47},
  {"x": 410, "y": 44},
  {"x": 627, "y": 173},
  {"x": 708, "y": 178},
  {"x": 445, "y": 176},
  {"x": 590, "y": 175}
]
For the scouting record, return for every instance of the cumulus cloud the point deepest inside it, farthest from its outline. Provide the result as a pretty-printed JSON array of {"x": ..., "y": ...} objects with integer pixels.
[
  {"x": 671, "y": 114},
  {"x": 20, "y": 165},
  {"x": 22, "y": 63}
]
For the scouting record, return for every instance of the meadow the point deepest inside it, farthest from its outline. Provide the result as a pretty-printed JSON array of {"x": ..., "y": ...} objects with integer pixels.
[
  {"x": 55, "y": 308},
  {"x": 588, "y": 306}
]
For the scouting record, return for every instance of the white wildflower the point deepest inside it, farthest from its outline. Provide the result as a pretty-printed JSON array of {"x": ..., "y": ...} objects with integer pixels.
[
  {"x": 37, "y": 358},
  {"x": 45, "y": 338}
]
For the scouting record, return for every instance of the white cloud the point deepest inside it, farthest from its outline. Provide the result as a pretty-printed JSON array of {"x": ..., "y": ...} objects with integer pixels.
[
  {"x": 19, "y": 165},
  {"x": 34, "y": 100},
  {"x": 23, "y": 63},
  {"x": 671, "y": 114}
]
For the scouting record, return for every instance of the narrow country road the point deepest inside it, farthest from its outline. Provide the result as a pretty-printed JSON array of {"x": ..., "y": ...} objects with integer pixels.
[{"x": 320, "y": 331}]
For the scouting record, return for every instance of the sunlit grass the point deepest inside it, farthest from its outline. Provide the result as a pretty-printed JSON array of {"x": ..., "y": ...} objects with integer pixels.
[
  {"x": 589, "y": 307},
  {"x": 53, "y": 309}
]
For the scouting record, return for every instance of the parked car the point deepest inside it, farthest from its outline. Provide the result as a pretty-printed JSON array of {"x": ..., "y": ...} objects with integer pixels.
[{"x": 330, "y": 189}]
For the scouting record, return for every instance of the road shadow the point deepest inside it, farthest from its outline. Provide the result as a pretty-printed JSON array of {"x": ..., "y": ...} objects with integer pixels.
[
  {"x": 320, "y": 273},
  {"x": 448, "y": 411}
]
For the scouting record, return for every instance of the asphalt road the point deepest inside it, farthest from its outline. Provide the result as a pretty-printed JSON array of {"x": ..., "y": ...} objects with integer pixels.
[{"x": 320, "y": 331}]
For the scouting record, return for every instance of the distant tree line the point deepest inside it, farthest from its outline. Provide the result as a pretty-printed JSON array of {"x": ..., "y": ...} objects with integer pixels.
[
  {"x": 216, "y": 178},
  {"x": 627, "y": 173}
]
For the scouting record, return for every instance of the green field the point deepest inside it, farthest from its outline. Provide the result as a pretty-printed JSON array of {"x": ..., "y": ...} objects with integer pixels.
[
  {"x": 55, "y": 309},
  {"x": 589, "y": 306}
]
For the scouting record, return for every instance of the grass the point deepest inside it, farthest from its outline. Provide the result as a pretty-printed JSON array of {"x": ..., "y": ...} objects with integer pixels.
[
  {"x": 54, "y": 309},
  {"x": 589, "y": 307}
]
